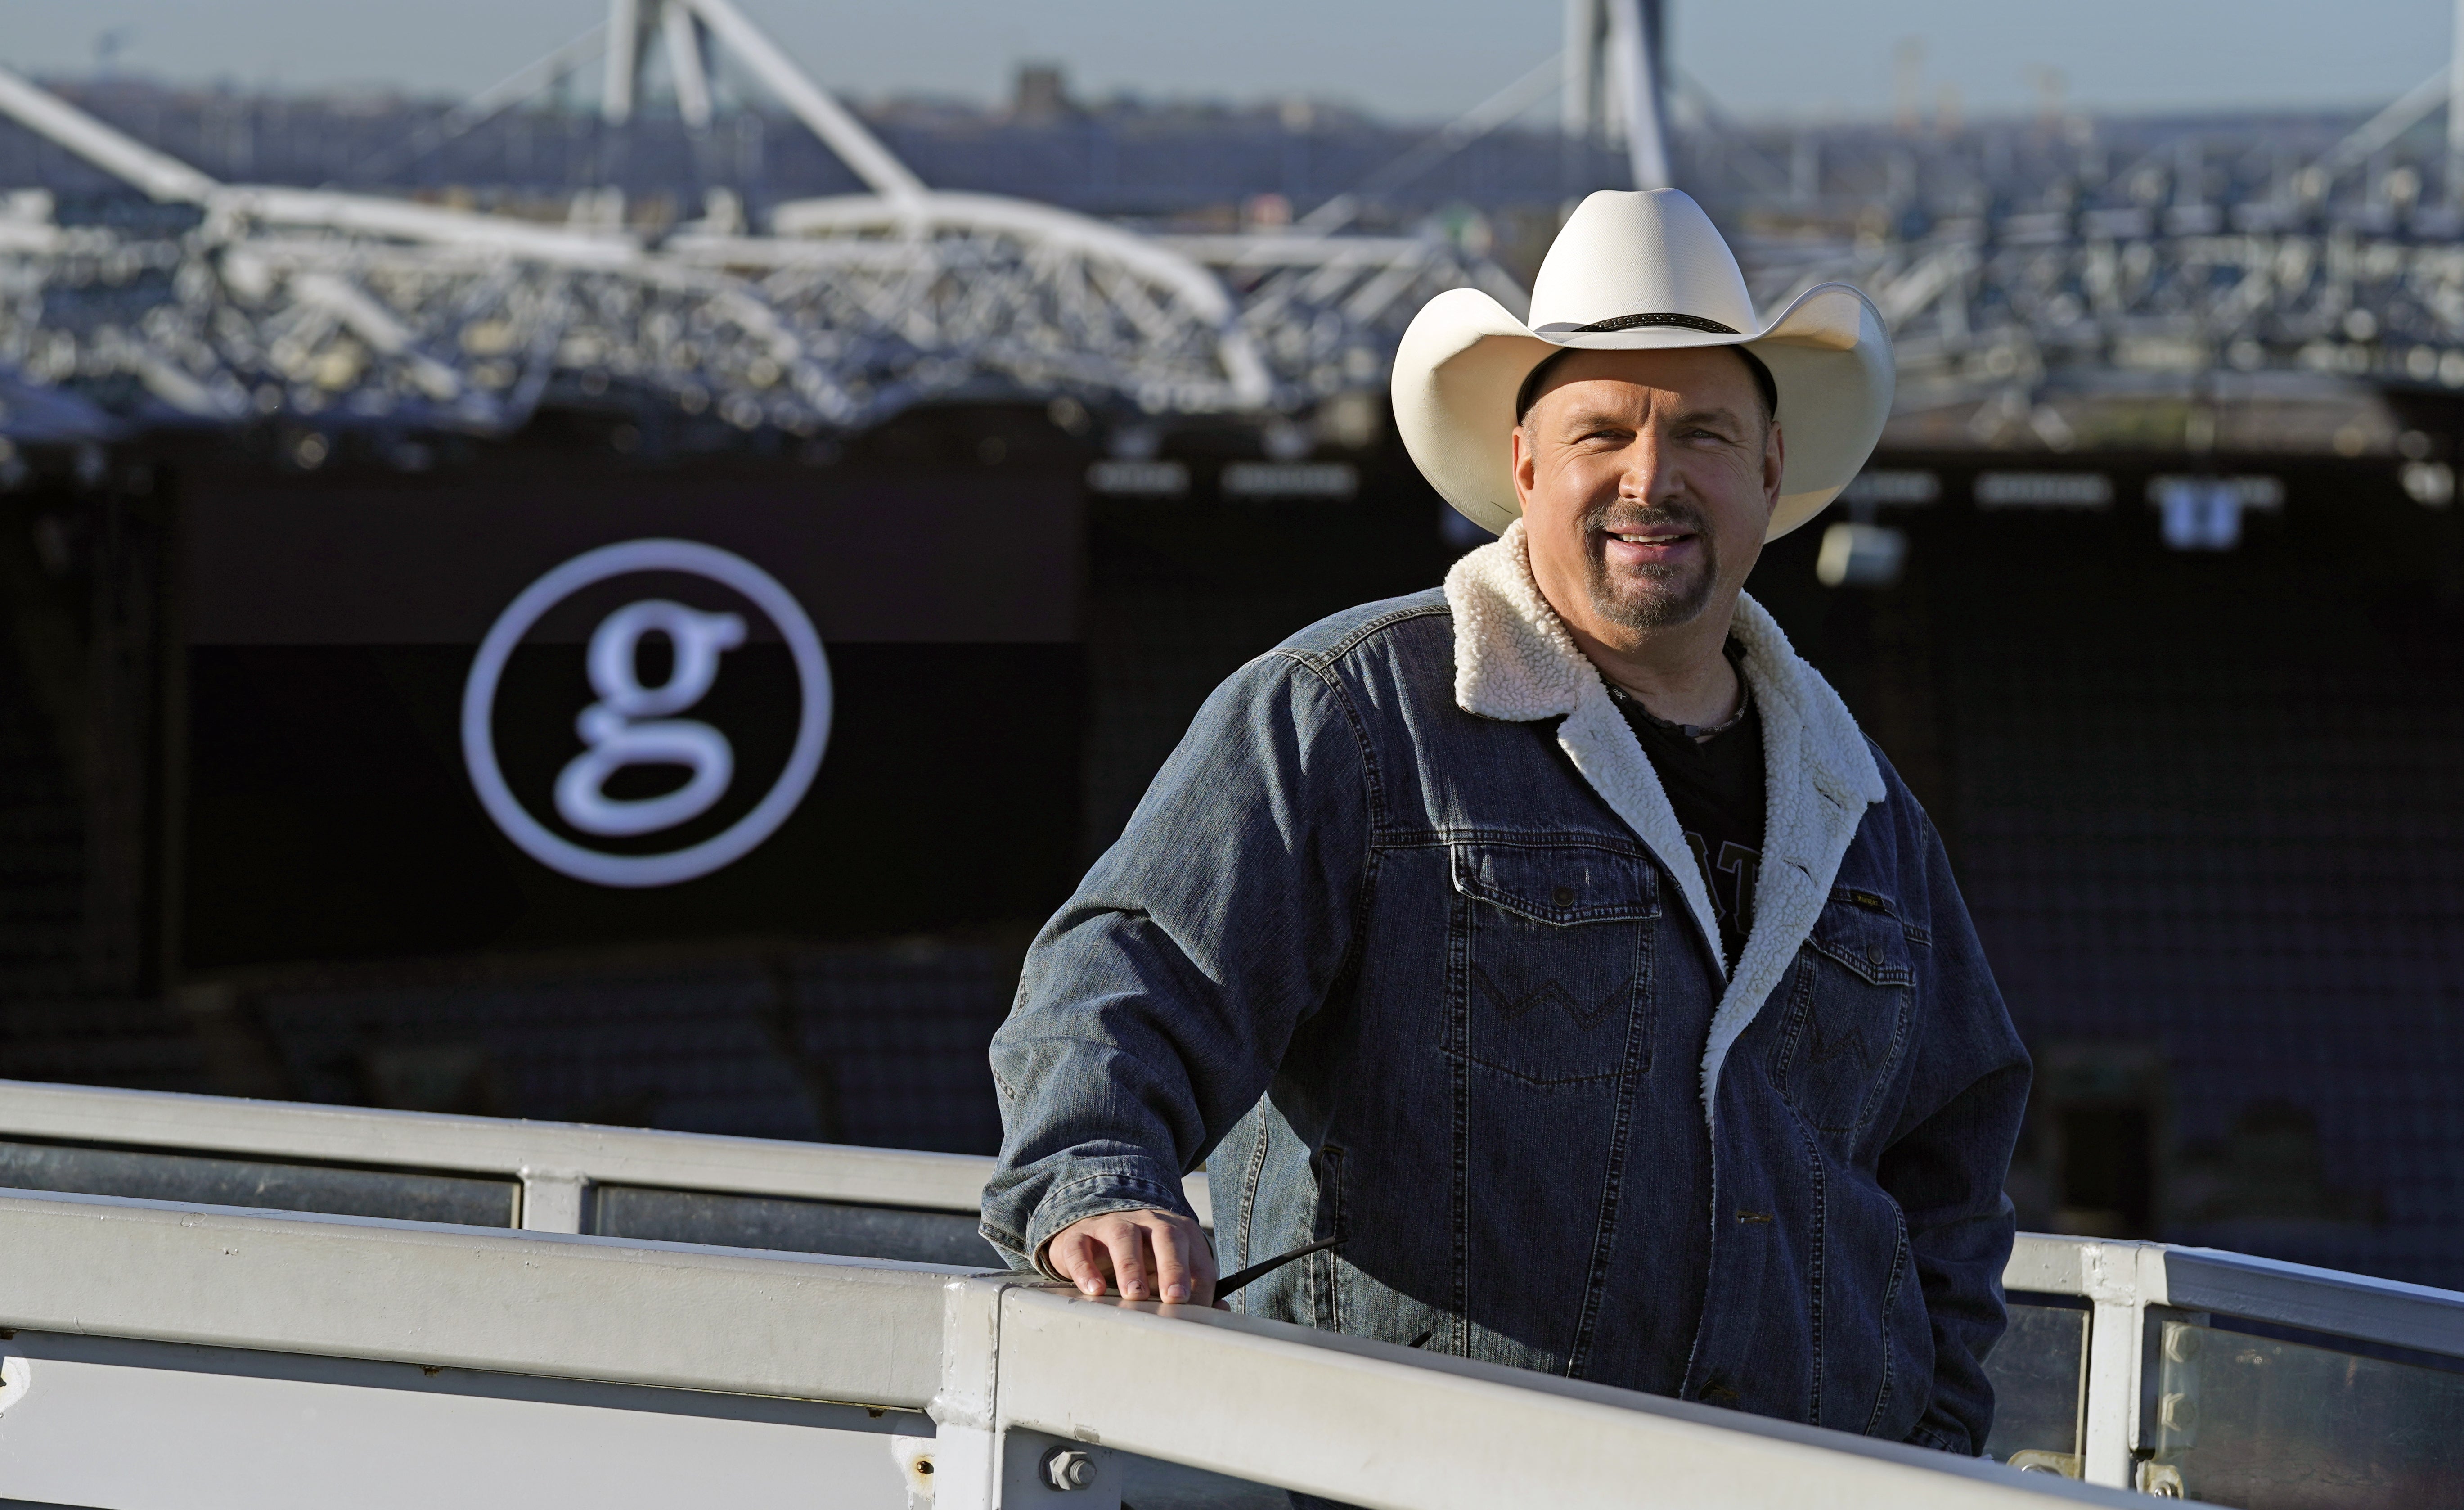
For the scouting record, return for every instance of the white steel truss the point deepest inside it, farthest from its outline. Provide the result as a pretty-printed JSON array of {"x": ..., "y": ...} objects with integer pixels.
[
  {"x": 2190, "y": 297},
  {"x": 2040, "y": 304},
  {"x": 338, "y": 308}
]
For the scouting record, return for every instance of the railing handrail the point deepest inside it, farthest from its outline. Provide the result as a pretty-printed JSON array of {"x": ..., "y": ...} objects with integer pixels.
[
  {"x": 2328, "y": 1301},
  {"x": 2357, "y": 1307},
  {"x": 2121, "y": 1280},
  {"x": 1378, "y": 1425},
  {"x": 672, "y": 1315},
  {"x": 987, "y": 1354},
  {"x": 516, "y": 1150}
]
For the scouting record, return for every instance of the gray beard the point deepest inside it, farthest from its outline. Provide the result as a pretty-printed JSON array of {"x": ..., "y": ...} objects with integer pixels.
[{"x": 1665, "y": 597}]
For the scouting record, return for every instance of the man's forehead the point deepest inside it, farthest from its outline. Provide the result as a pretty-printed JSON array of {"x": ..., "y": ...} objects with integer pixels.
[{"x": 1707, "y": 377}]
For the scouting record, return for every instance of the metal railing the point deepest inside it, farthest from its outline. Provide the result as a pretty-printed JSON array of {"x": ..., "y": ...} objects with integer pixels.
[
  {"x": 641, "y": 1309},
  {"x": 161, "y": 1354},
  {"x": 2195, "y": 1373},
  {"x": 555, "y": 1177}
]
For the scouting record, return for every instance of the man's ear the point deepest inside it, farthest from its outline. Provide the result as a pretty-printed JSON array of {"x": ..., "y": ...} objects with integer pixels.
[
  {"x": 1526, "y": 462},
  {"x": 1774, "y": 469}
]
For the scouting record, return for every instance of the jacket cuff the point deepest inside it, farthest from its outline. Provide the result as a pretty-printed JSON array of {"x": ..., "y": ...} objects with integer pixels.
[
  {"x": 1927, "y": 1436},
  {"x": 1097, "y": 1187}
]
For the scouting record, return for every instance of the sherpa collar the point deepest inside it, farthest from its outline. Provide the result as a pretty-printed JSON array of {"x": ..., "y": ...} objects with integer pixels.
[{"x": 1514, "y": 661}]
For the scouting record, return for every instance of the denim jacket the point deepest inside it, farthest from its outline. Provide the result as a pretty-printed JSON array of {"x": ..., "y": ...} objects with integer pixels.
[{"x": 1390, "y": 945}]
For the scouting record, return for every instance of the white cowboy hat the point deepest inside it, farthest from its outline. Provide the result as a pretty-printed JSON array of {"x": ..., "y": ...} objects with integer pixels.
[{"x": 1639, "y": 272}]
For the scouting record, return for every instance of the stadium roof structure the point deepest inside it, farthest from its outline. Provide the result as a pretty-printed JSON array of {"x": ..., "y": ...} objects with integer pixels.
[{"x": 338, "y": 308}]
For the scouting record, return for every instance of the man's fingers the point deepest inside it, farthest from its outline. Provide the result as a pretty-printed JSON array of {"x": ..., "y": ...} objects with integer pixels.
[
  {"x": 1090, "y": 1264},
  {"x": 1142, "y": 1255},
  {"x": 1174, "y": 1280},
  {"x": 1077, "y": 1259},
  {"x": 1184, "y": 1265},
  {"x": 1126, "y": 1241},
  {"x": 1201, "y": 1268}
]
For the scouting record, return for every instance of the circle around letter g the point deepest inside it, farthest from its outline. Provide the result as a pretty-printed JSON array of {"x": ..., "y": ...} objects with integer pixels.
[{"x": 699, "y": 858}]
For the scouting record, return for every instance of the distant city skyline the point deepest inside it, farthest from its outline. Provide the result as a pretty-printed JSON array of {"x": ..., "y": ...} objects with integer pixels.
[{"x": 1799, "y": 58}]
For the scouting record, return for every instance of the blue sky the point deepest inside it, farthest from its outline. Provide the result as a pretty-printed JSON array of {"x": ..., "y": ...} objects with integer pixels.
[{"x": 1804, "y": 58}]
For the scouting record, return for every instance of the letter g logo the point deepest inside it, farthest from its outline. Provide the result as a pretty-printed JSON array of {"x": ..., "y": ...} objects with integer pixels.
[
  {"x": 634, "y": 724},
  {"x": 616, "y": 742}
]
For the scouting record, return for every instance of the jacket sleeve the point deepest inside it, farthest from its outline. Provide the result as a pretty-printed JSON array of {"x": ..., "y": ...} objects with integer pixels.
[
  {"x": 1156, "y": 1005},
  {"x": 1949, "y": 1158}
]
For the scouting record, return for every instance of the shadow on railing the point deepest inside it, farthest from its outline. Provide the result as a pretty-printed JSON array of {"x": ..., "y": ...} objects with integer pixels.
[{"x": 2177, "y": 1372}]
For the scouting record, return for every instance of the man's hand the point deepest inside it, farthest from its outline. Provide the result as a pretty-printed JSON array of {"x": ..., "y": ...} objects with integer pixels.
[{"x": 1149, "y": 1255}]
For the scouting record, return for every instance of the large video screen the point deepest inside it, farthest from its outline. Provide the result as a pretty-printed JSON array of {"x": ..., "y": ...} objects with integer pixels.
[{"x": 558, "y": 703}]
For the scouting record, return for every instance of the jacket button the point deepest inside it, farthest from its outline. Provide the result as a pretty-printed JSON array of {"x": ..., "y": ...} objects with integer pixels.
[{"x": 1563, "y": 896}]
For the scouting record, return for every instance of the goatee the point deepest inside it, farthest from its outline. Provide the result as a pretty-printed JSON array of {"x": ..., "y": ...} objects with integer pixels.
[{"x": 1649, "y": 597}]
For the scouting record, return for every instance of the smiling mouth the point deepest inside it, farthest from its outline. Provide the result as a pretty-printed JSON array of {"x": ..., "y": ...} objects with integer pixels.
[{"x": 1650, "y": 544}]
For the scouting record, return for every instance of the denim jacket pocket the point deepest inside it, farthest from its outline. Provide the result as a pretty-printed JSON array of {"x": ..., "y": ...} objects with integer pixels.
[
  {"x": 1849, "y": 1015},
  {"x": 1552, "y": 946}
]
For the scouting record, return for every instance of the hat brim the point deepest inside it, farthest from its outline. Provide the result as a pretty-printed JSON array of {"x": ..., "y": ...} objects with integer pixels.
[{"x": 1464, "y": 358}]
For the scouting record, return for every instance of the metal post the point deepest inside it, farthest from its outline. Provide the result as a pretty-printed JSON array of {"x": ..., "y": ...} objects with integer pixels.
[
  {"x": 966, "y": 1458},
  {"x": 1633, "y": 69},
  {"x": 552, "y": 1200},
  {"x": 2455, "y": 112},
  {"x": 1578, "y": 104},
  {"x": 2122, "y": 1280},
  {"x": 624, "y": 61},
  {"x": 682, "y": 36},
  {"x": 1579, "y": 108}
]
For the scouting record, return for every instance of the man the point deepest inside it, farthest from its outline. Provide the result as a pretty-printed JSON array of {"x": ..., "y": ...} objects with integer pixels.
[{"x": 1555, "y": 941}]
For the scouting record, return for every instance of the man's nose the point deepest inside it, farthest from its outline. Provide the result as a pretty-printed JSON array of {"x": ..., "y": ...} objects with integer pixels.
[{"x": 1650, "y": 475}]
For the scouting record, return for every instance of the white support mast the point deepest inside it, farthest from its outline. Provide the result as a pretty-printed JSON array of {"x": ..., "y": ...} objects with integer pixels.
[
  {"x": 681, "y": 35},
  {"x": 680, "y": 26},
  {"x": 1614, "y": 81},
  {"x": 1635, "y": 69},
  {"x": 834, "y": 123},
  {"x": 1580, "y": 108},
  {"x": 623, "y": 61},
  {"x": 2455, "y": 112}
]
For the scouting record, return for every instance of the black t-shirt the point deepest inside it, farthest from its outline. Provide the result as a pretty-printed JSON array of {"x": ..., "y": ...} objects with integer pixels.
[{"x": 1716, "y": 786}]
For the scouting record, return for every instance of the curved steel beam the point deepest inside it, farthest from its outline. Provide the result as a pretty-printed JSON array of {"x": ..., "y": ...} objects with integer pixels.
[{"x": 162, "y": 176}]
